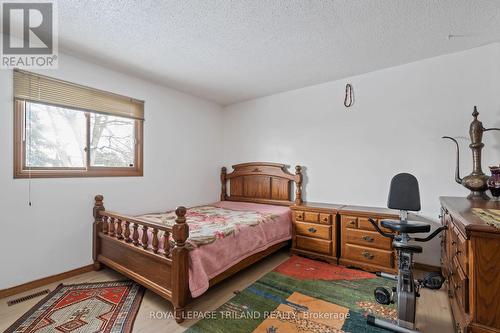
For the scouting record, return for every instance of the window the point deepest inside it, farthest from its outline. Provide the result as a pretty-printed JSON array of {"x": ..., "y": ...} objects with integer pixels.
[
  {"x": 55, "y": 140},
  {"x": 112, "y": 141}
]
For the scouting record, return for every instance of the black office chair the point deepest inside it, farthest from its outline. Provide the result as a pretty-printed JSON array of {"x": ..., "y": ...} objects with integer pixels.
[{"x": 404, "y": 195}]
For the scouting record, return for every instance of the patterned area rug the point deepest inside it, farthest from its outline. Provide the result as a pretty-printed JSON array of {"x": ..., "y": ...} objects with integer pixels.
[
  {"x": 302, "y": 295},
  {"x": 84, "y": 308}
]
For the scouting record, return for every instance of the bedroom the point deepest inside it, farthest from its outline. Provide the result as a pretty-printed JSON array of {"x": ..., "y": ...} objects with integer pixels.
[{"x": 352, "y": 92}]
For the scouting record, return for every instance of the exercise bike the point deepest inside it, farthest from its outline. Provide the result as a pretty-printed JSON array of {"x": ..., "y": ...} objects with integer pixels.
[{"x": 404, "y": 195}]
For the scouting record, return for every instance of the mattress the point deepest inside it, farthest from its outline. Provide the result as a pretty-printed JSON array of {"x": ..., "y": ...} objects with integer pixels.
[{"x": 224, "y": 233}]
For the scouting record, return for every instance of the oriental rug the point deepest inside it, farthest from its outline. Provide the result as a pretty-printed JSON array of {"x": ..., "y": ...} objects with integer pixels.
[{"x": 108, "y": 307}]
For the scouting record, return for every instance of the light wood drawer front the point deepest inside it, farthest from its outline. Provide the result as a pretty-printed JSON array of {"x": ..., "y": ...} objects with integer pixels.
[
  {"x": 325, "y": 218},
  {"x": 368, "y": 238},
  {"x": 449, "y": 240},
  {"x": 461, "y": 252},
  {"x": 314, "y": 245},
  {"x": 299, "y": 215},
  {"x": 460, "y": 286},
  {"x": 349, "y": 222},
  {"x": 313, "y": 230},
  {"x": 369, "y": 255},
  {"x": 364, "y": 224},
  {"x": 311, "y": 217},
  {"x": 457, "y": 310}
]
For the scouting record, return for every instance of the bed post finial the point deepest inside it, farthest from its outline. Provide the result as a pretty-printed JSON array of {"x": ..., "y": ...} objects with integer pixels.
[
  {"x": 180, "y": 273},
  {"x": 96, "y": 228},
  {"x": 98, "y": 207},
  {"x": 298, "y": 185},
  {"x": 223, "y": 193}
]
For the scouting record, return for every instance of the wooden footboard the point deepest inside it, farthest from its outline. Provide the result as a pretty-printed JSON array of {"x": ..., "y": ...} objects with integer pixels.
[
  {"x": 118, "y": 242},
  {"x": 118, "y": 245}
]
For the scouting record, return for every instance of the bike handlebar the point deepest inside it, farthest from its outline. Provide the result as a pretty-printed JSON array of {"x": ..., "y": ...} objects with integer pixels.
[
  {"x": 426, "y": 239},
  {"x": 431, "y": 236},
  {"x": 375, "y": 225}
]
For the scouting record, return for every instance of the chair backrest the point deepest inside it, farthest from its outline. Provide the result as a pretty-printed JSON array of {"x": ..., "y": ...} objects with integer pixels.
[{"x": 404, "y": 193}]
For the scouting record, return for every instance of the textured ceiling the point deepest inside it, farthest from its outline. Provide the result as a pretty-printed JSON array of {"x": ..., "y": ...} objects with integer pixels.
[{"x": 230, "y": 51}]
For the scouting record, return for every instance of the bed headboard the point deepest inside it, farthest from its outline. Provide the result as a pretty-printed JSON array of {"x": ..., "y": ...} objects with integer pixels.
[{"x": 261, "y": 182}]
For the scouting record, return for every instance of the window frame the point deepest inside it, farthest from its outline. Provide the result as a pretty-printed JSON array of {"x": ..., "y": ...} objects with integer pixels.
[{"x": 21, "y": 171}]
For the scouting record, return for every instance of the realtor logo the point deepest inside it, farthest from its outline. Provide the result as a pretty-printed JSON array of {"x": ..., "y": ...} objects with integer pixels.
[{"x": 29, "y": 35}]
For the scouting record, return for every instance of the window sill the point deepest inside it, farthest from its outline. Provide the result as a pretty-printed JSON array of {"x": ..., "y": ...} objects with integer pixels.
[{"x": 106, "y": 172}]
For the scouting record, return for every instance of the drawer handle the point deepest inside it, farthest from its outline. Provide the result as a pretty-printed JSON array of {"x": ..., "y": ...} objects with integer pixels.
[
  {"x": 313, "y": 230},
  {"x": 453, "y": 242},
  {"x": 368, "y": 255},
  {"x": 368, "y": 238},
  {"x": 325, "y": 219},
  {"x": 351, "y": 223}
]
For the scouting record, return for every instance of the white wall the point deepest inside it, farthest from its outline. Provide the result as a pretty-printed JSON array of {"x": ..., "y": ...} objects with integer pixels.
[
  {"x": 350, "y": 155},
  {"x": 182, "y": 140},
  {"x": 395, "y": 126}
]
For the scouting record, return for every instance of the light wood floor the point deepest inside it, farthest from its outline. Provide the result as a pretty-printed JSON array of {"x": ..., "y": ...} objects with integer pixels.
[{"x": 433, "y": 312}]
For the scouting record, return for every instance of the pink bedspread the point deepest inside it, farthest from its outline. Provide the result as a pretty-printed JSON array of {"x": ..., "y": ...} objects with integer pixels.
[{"x": 207, "y": 261}]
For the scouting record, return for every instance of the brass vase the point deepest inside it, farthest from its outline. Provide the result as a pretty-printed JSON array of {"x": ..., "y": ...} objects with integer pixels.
[{"x": 476, "y": 181}]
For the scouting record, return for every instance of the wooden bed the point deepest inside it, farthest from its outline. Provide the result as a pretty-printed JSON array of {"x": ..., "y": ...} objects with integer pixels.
[{"x": 116, "y": 241}]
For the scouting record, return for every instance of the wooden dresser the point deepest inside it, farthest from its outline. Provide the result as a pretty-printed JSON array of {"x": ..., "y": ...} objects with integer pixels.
[
  {"x": 342, "y": 234},
  {"x": 361, "y": 245},
  {"x": 315, "y": 228},
  {"x": 471, "y": 265}
]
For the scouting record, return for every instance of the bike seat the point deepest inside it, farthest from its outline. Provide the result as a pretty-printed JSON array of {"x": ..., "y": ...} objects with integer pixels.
[
  {"x": 406, "y": 228},
  {"x": 407, "y": 247}
]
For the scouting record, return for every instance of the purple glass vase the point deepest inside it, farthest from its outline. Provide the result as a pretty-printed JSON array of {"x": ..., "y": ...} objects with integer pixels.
[{"x": 494, "y": 182}]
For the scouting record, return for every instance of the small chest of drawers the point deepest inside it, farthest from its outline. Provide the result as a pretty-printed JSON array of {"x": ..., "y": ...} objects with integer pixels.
[
  {"x": 343, "y": 234},
  {"x": 315, "y": 230},
  {"x": 361, "y": 245}
]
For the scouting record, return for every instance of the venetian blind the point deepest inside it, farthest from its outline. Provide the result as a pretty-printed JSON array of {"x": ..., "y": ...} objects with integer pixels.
[{"x": 39, "y": 88}]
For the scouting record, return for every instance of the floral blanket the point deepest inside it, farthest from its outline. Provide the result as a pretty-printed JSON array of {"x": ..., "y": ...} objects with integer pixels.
[{"x": 209, "y": 223}]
